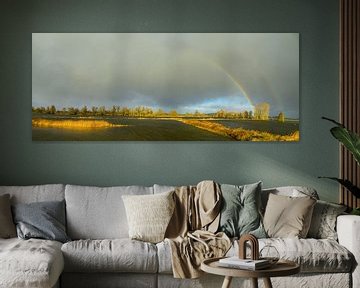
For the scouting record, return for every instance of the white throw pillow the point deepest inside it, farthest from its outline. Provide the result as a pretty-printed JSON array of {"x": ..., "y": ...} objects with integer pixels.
[{"x": 149, "y": 215}]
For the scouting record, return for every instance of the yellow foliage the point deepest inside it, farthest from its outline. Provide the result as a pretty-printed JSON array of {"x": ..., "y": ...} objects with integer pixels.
[
  {"x": 241, "y": 134},
  {"x": 72, "y": 124}
]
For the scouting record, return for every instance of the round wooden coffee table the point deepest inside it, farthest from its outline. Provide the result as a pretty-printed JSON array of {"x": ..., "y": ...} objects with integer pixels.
[{"x": 281, "y": 268}]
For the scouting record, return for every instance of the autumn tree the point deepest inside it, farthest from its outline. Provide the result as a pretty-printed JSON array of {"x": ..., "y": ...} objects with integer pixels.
[
  {"x": 73, "y": 111},
  {"x": 84, "y": 111},
  {"x": 281, "y": 117},
  {"x": 113, "y": 110},
  {"x": 173, "y": 113},
  {"x": 52, "y": 110},
  {"x": 125, "y": 112},
  {"x": 262, "y": 111},
  {"x": 94, "y": 110},
  {"x": 220, "y": 113},
  {"x": 102, "y": 110},
  {"x": 159, "y": 112}
]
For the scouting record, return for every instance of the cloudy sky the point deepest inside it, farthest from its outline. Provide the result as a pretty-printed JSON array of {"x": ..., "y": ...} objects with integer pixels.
[{"x": 182, "y": 71}]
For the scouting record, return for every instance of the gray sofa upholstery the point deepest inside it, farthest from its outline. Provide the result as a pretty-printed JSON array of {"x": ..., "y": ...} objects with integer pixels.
[{"x": 101, "y": 255}]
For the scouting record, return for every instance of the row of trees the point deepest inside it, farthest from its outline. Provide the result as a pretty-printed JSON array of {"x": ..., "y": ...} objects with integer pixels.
[
  {"x": 261, "y": 112},
  {"x": 139, "y": 111}
]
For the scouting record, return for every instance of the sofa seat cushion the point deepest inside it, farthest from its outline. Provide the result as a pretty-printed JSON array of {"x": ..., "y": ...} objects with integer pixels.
[
  {"x": 30, "y": 263},
  {"x": 313, "y": 255},
  {"x": 115, "y": 255}
]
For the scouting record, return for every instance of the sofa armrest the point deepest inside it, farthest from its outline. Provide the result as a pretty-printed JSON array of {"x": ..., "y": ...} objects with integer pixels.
[{"x": 348, "y": 230}]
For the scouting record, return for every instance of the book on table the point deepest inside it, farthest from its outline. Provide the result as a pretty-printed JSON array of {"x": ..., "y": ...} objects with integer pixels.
[{"x": 236, "y": 262}]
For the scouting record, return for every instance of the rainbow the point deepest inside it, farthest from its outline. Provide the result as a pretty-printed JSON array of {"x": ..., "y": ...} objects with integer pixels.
[
  {"x": 223, "y": 70},
  {"x": 241, "y": 88}
]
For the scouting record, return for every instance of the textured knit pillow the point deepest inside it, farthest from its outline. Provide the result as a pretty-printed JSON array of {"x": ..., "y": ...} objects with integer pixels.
[
  {"x": 323, "y": 222},
  {"x": 43, "y": 220},
  {"x": 149, "y": 215},
  {"x": 7, "y": 226},
  {"x": 240, "y": 213},
  {"x": 288, "y": 217}
]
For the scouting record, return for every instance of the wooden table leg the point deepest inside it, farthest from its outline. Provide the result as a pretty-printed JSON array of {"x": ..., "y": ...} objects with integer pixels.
[
  {"x": 227, "y": 282},
  {"x": 254, "y": 282},
  {"x": 267, "y": 283}
]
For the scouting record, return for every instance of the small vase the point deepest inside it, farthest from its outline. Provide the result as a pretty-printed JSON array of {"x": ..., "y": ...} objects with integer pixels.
[{"x": 270, "y": 253}]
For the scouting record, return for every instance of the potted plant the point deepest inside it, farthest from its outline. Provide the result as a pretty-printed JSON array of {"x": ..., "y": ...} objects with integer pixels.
[{"x": 351, "y": 141}]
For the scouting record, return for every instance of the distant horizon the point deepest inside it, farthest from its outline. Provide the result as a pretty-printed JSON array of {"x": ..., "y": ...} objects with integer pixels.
[{"x": 185, "y": 72}]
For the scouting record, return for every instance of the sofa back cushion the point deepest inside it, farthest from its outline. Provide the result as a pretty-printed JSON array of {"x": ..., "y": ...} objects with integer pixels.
[
  {"x": 163, "y": 188},
  {"x": 37, "y": 193},
  {"x": 98, "y": 212}
]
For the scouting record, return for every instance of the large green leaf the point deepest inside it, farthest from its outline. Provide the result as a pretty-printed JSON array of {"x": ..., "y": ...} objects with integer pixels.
[
  {"x": 347, "y": 184},
  {"x": 348, "y": 138}
]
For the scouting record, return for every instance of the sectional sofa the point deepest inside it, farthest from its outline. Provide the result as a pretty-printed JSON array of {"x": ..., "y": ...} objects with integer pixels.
[{"x": 101, "y": 254}]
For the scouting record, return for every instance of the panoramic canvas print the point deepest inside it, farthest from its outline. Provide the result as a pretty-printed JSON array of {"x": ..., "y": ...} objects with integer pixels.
[{"x": 165, "y": 86}]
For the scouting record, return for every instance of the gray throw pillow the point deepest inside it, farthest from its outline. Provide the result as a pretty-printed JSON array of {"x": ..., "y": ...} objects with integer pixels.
[
  {"x": 7, "y": 227},
  {"x": 323, "y": 222},
  {"x": 240, "y": 213},
  {"x": 44, "y": 220}
]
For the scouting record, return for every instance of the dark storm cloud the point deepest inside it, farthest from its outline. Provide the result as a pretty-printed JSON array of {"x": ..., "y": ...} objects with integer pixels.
[{"x": 170, "y": 71}]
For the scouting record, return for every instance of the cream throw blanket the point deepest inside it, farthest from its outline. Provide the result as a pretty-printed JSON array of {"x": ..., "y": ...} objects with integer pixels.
[{"x": 191, "y": 231}]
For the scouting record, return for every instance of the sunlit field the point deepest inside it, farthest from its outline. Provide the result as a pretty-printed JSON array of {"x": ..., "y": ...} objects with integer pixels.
[
  {"x": 109, "y": 128},
  {"x": 73, "y": 124},
  {"x": 241, "y": 134},
  {"x": 271, "y": 126}
]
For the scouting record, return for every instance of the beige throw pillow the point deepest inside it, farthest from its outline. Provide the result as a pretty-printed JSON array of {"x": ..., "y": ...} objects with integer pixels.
[
  {"x": 7, "y": 226},
  {"x": 288, "y": 217},
  {"x": 149, "y": 215}
]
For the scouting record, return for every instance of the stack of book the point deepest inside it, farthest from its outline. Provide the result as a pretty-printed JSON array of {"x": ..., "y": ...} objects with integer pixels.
[{"x": 248, "y": 264}]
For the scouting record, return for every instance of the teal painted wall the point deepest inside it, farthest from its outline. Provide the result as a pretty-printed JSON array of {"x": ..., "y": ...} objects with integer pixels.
[{"x": 25, "y": 162}]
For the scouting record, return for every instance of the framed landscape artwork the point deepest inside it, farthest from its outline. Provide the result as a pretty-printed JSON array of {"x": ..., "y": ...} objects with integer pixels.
[{"x": 165, "y": 86}]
